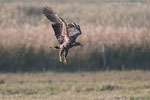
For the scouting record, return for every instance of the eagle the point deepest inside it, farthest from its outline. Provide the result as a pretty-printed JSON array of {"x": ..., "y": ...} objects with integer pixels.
[{"x": 66, "y": 34}]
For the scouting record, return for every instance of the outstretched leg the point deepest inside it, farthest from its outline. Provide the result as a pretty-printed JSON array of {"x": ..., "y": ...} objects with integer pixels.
[
  {"x": 66, "y": 53},
  {"x": 61, "y": 54}
]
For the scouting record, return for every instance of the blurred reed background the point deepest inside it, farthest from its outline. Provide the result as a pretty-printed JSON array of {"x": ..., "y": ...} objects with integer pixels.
[{"x": 26, "y": 35}]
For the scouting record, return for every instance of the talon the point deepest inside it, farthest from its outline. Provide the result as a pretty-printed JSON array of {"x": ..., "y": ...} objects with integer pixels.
[
  {"x": 65, "y": 61},
  {"x": 60, "y": 59}
]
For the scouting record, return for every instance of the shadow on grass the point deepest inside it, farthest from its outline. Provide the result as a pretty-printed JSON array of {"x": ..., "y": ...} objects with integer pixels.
[{"x": 29, "y": 60}]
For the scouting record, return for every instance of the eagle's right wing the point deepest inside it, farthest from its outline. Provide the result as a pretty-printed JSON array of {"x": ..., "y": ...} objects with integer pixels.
[
  {"x": 58, "y": 24},
  {"x": 74, "y": 31}
]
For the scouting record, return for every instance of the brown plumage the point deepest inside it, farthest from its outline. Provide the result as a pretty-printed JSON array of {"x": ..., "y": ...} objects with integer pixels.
[{"x": 66, "y": 34}]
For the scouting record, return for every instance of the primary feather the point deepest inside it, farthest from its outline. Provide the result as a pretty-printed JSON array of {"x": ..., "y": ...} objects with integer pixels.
[{"x": 58, "y": 24}]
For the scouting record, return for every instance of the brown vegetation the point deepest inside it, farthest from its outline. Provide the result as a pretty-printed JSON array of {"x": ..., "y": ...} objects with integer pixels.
[{"x": 123, "y": 28}]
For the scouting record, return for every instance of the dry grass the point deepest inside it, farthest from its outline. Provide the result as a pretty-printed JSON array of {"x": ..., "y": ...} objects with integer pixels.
[
  {"x": 124, "y": 28},
  {"x": 25, "y": 37},
  {"x": 125, "y": 85},
  {"x": 114, "y": 25}
]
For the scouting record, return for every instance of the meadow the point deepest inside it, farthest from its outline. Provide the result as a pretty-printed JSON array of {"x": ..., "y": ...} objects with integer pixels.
[
  {"x": 30, "y": 70},
  {"x": 106, "y": 85}
]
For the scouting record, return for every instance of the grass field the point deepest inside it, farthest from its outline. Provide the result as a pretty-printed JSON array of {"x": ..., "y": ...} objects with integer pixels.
[
  {"x": 29, "y": 70},
  {"x": 107, "y": 85}
]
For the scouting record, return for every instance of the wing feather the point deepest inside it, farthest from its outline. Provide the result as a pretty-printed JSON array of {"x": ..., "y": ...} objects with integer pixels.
[
  {"x": 74, "y": 31},
  {"x": 58, "y": 24}
]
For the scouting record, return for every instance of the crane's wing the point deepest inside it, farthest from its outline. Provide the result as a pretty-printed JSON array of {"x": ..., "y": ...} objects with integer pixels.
[
  {"x": 74, "y": 31},
  {"x": 58, "y": 24}
]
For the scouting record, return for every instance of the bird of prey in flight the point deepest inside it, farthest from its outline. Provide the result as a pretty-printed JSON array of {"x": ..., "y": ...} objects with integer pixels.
[{"x": 66, "y": 34}]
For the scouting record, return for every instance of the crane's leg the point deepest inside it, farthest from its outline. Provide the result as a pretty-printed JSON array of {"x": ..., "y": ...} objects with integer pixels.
[
  {"x": 61, "y": 54},
  {"x": 66, "y": 53}
]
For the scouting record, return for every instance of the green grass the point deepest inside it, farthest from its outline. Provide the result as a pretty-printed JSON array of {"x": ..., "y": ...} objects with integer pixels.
[{"x": 128, "y": 85}]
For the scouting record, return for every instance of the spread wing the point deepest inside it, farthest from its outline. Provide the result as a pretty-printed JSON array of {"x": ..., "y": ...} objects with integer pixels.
[
  {"x": 74, "y": 31},
  {"x": 58, "y": 24}
]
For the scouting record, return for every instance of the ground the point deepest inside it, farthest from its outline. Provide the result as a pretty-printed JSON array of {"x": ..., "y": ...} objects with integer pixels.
[{"x": 107, "y": 85}]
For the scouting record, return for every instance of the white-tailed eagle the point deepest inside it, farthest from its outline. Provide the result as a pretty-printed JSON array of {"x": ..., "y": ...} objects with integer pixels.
[{"x": 66, "y": 34}]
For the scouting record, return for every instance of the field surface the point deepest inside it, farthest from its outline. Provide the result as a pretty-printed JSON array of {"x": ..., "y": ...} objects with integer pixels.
[
  {"x": 122, "y": 26},
  {"x": 108, "y": 85}
]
